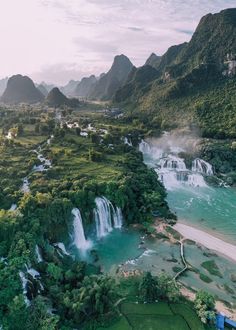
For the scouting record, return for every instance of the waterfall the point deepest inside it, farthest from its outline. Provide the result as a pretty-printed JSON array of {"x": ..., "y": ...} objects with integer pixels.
[
  {"x": 144, "y": 147},
  {"x": 201, "y": 166},
  {"x": 173, "y": 163},
  {"x": 38, "y": 254},
  {"x": 45, "y": 163},
  {"x": 128, "y": 141},
  {"x": 24, "y": 286},
  {"x": 33, "y": 272},
  {"x": 172, "y": 170},
  {"x": 79, "y": 236},
  {"x": 106, "y": 216},
  {"x": 62, "y": 247},
  {"x": 25, "y": 187},
  {"x": 13, "y": 207},
  {"x": 150, "y": 150},
  {"x": 118, "y": 218}
]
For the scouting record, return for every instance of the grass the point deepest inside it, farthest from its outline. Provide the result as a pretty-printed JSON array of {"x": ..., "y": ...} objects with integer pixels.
[
  {"x": 158, "y": 322},
  {"x": 177, "y": 269},
  {"x": 122, "y": 324},
  {"x": 158, "y": 316},
  {"x": 212, "y": 268},
  {"x": 146, "y": 309},
  {"x": 228, "y": 289},
  {"x": 174, "y": 233}
]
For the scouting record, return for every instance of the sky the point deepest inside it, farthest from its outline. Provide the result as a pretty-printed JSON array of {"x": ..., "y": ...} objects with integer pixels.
[{"x": 59, "y": 40}]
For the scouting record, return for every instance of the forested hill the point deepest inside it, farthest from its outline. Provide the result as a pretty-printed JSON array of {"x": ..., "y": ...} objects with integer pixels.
[{"x": 192, "y": 83}]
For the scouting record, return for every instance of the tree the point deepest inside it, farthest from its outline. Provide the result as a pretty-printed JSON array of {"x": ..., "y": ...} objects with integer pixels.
[
  {"x": 95, "y": 138},
  {"x": 78, "y": 131},
  {"x": 148, "y": 288},
  {"x": 204, "y": 304},
  {"x": 95, "y": 298},
  {"x": 20, "y": 129},
  {"x": 168, "y": 289},
  {"x": 39, "y": 317},
  {"x": 18, "y": 314}
]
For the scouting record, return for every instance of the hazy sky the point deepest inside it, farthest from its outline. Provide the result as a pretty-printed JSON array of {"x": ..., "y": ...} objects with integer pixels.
[{"x": 59, "y": 40}]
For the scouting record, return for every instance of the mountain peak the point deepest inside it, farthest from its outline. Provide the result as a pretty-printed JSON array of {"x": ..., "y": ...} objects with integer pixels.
[
  {"x": 110, "y": 82},
  {"x": 121, "y": 60},
  {"x": 153, "y": 60},
  {"x": 56, "y": 98}
]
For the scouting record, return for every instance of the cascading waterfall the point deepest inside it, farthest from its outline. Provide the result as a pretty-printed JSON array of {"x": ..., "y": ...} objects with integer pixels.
[
  {"x": 45, "y": 163},
  {"x": 106, "y": 217},
  {"x": 172, "y": 163},
  {"x": 144, "y": 147},
  {"x": 172, "y": 169},
  {"x": 201, "y": 166},
  {"x": 79, "y": 236},
  {"x": 149, "y": 149}
]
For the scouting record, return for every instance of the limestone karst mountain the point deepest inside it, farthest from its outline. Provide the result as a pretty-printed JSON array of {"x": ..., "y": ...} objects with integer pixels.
[
  {"x": 110, "y": 82},
  {"x": 56, "y": 98},
  {"x": 21, "y": 89}
]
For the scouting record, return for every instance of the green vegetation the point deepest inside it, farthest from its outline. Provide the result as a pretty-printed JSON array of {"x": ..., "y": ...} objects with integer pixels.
[
  {"x": 186, "y": 87},
  {"x": 205, "y": 278},
  {"x": 162, "y": 287},
  {"x": 212, "y": 267},
  {"x": 204, "y": 304},
  {"x": 82, "y": 169}
]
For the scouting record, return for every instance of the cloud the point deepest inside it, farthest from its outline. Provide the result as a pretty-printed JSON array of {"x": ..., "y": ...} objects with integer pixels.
[
  {"x": 189, "y": 32},
  {"x": 59, "y": 73},
  {"x": 53, "y": 39},
  {"x": 134, "y": 28}
]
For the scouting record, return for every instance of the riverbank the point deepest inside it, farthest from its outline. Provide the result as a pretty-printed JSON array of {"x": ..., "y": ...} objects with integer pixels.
[{"x": 209, "y": 241}]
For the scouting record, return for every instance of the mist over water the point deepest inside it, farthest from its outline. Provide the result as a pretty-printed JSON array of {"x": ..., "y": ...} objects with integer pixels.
[{"x": 188, "y": 194}]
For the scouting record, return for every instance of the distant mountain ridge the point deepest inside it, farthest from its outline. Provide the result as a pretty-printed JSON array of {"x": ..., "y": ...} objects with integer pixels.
[
  {"x": 42, "y": 89},
  {"x": 21, "y": 89},
  {"x": 85, "y": 86},
  {"x": 69, "y": 89}
]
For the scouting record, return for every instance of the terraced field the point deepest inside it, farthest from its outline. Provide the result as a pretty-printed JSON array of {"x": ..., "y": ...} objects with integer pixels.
[{"x": 159, "y": 316}]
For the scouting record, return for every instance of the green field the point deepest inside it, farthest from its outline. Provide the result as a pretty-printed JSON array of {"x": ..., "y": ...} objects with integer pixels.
[{"x": 159, "y": 316}]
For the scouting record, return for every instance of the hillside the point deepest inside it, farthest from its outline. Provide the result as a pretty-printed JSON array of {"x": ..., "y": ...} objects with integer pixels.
[
  {"x": 56, "y": 98},
  {"x": 21, "y": 89},
  {"x": 110, "y": 82},
  {"x": 193, "y": 85}
]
